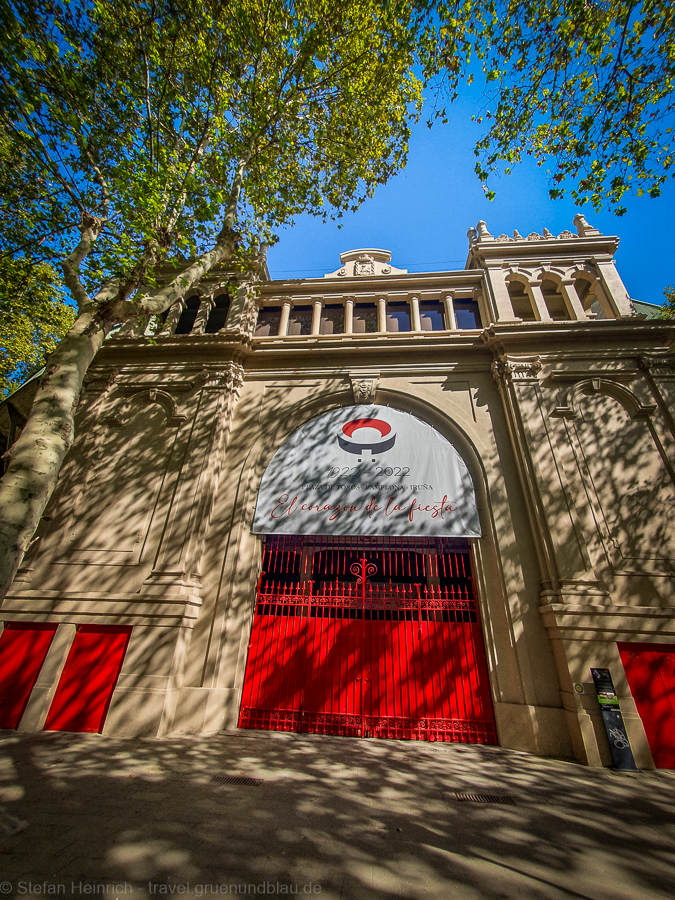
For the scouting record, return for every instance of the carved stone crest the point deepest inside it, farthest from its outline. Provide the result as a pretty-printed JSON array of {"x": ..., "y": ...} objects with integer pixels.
[{"x": 364, "y": 265}]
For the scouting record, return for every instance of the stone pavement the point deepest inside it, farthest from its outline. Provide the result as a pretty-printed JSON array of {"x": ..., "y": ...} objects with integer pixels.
[{"x": 333, "y": 817}]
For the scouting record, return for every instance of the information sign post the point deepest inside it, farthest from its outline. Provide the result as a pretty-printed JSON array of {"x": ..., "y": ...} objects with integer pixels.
[{"x": 613, "y": 720}]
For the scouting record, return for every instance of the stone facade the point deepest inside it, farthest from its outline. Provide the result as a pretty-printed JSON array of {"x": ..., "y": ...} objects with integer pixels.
[{"x": 531, "y": 361}]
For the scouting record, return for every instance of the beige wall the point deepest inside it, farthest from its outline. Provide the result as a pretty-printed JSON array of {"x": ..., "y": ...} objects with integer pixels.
[{"x": 566, "y": 428}]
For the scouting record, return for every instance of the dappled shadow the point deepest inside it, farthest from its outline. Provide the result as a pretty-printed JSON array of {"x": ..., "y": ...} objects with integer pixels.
[{"x": 369, "y": 819}]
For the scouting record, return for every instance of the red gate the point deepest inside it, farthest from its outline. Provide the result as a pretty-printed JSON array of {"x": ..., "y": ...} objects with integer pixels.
[{"x": 368, "y": 637}]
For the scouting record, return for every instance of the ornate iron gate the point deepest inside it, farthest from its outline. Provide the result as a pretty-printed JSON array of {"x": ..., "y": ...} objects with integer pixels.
[{"x": 368, "y": 637}]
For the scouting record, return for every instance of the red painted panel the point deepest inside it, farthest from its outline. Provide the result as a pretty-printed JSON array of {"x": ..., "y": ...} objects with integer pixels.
[
  {"x": 23, "y": 648},
  {"x": 88, "y": 680},
  {"x": 650, "y": 669}
]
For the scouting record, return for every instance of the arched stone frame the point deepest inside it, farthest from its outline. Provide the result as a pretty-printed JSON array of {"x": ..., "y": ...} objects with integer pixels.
[
  {"x": 124, "y": 407},
  {"x": 587, "y": 273},
  {"x": 566, "y": 288},
  {"x": 567, "y": 406},
  {"x": 243, "y": 566},
  {"x": 524, "y": 278}
]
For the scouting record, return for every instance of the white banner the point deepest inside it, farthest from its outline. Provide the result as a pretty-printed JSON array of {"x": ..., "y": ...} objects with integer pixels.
[{"x": 367, "y": 470}]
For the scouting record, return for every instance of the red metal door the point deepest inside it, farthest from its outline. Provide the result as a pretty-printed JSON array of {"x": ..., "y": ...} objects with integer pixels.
[
  {"x": 367, "y": 637},
  {"x": 88, "y": 679},
  {"x": 650, "y": 670},
  {"x": 23, "y": 648}
]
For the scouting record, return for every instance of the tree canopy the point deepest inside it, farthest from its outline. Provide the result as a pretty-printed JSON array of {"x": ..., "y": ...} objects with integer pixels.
[
  {"x": 147, "y": 118},
  {"x": 33, "y": 319},
  {"x": 134, "y": 133},
  {"x": 581, "y": 85}
]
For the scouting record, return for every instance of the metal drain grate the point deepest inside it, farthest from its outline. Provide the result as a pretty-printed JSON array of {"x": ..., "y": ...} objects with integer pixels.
[
  {"x": 235, "y": 779},
  {"x": 483, "y": 798}
]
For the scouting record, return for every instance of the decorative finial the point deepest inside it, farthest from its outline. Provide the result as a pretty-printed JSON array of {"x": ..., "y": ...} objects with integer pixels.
[
  {"x": 517, "y": 236},
  {"x": 483, "y": 233},
  {"x": 583, "y": 228}
]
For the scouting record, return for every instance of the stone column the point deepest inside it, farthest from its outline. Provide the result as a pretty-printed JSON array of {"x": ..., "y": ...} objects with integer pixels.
[
  {"x": 316, "y": 315},
  {"x": 614, "y": 289},
  {"x": 205, "y": 308},
  {"x": 574, "y": 304},
  {"x": 537, "y": 296},
  {"x": 172, "y": 319},
  {"x": 450, "y": 320},
  {"x": 415, "y": 313},
  {"x": 382, "y": 314},
  {"x": 349, "y": 315},
  {"x": 503, "y": 308},
  {"x": 283, "y": 321}
]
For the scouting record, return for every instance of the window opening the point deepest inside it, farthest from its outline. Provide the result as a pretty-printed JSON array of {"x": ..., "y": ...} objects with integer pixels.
[
  {"x": 398, "y": 316},
  {"x": 300, "y": 320},
  {"x": 333, "y": 319},
  {"x": 365, "y": 318},
  {"x": 218, "y": 314},
  {"x": 268, "y": 322},
  {"x": 520, "y": 301},
  {"x": 555, "y": 302},
  {"x": 432, "y": 316},
  {"x": 188, "y": 317}
]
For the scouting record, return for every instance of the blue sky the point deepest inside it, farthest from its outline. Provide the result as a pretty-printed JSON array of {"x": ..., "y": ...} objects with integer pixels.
[{"x": 422, "y": 216}]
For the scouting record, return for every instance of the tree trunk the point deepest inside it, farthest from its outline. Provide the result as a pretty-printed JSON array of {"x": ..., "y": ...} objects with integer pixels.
[{"x": 35, "y": 458}]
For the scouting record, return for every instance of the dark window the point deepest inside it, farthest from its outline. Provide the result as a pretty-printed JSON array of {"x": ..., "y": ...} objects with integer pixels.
[
  {"x": 333, "y": 319},
  {"x": 520, "y": 301},
  {"x": 300, "y": 321},
  {"x": 398, "y": 316},
  {"x": 555, "y": 303},
  {"x": 218, "y": 315},
  {"x": 365, "y": 318},
  {"x": 431, "y": 316},
  {"x": 188, "y": 317},
  {"x": 268, "y": 322},
  {"x": 467, "y": 314}
]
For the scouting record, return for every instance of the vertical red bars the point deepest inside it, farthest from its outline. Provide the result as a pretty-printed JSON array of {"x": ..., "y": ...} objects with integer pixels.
[{"x": 398, "y": 653}]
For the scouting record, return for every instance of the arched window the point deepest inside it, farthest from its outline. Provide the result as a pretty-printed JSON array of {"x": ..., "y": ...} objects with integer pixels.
[
  {"x": 218, "y": 315},
  {"x": 520, "y": 301},
  {"x": 188, "y": 317},
  {"x": 555, "y": 302}
]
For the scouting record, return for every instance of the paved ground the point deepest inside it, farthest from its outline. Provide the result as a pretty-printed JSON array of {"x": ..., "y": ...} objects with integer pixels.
[{"x": 335, "y": 818}]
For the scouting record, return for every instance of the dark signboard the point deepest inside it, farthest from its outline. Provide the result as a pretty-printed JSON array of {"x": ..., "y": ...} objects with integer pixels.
[{"x": 613, "y": 720}]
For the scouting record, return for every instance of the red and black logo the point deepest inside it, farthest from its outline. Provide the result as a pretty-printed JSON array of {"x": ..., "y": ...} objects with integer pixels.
[{"x": 348, "y": 437}]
